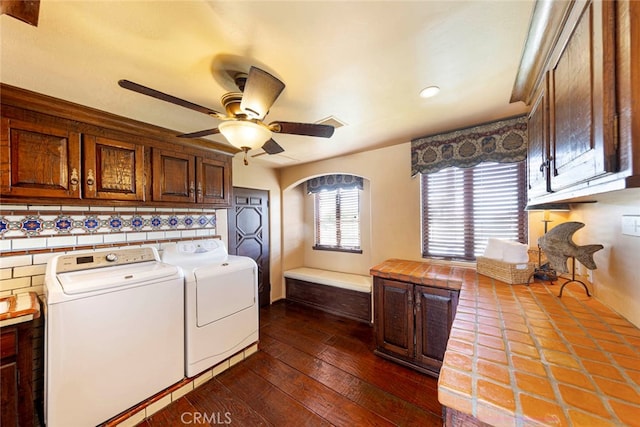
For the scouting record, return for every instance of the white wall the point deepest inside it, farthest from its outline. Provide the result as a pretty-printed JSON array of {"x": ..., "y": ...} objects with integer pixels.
[
  {"x": 338, "y": 261},
  {"x": 293, "y": 228},
  {"x": 615, "y": 282},
  {"x": 394, "y": 205},
  {"x": 617, "y": 278}
]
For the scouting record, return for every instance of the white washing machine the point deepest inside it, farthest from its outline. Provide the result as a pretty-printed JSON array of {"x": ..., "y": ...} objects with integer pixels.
[
  {"x": 114, "y": 333},
  {"x": 221, "y": 301}
]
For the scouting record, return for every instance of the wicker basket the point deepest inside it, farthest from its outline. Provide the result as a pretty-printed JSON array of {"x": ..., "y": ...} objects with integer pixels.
[{"x": 504, "y": 271}]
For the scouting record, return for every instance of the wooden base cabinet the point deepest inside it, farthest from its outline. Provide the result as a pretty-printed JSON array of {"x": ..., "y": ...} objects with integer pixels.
[
  {"x": 412, "y": 323},
  {"x": 16, "y": 397}
]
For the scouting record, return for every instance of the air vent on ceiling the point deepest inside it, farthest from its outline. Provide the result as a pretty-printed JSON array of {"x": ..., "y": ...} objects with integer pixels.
[{"x": 331, "y": 121}]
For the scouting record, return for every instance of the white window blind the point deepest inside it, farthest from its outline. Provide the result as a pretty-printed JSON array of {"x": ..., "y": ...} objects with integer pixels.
[
  {"x": 462, "y": 208},
  {"x": 337, "y": 219}
]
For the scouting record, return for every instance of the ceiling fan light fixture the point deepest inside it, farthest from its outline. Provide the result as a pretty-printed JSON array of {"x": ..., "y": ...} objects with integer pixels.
[
  {"x": 429, "y": 91},
  {"x": 242, "y": 133}
]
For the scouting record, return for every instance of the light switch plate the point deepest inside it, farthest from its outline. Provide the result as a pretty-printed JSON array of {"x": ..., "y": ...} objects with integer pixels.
[{"x": 631, "y": 225}]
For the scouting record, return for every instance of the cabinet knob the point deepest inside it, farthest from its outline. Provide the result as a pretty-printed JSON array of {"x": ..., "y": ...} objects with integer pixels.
[
  {"x": 90, "y": 178},
  {"x": 74, "y": 179},
  {"x": 546, "y": 164},
  {"x": 192, "y": 189},
  {"x": 199, "y": 189}
]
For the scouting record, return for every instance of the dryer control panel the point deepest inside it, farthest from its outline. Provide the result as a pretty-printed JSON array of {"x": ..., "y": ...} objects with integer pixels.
[{"x": 107, "y": 258}]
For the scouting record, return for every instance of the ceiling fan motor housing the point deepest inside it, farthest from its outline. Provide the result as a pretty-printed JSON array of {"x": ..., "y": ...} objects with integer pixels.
[
  {"x": 240, "y": 80},
  {"x": 231, "y": 102}
]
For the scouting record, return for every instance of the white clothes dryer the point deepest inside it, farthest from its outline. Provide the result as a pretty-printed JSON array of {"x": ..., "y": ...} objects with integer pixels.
[{"x": 221, "y": 301}]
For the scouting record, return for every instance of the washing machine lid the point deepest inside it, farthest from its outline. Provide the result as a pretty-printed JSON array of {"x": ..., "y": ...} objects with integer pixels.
[
  {"x": 77, "y": 282},
  {"x": 194, "y": 254}
]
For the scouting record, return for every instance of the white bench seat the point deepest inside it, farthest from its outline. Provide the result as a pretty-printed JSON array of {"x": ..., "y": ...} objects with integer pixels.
[{"x": 355, "y": 282}]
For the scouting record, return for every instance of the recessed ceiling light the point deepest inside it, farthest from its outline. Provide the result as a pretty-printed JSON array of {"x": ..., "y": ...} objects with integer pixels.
[{"x": 429, "y": 91}]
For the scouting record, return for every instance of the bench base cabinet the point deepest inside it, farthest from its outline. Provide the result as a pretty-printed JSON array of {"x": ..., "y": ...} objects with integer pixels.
[
  {"x": 412, "y": 323},
  {"x": 341, "y": 302}
]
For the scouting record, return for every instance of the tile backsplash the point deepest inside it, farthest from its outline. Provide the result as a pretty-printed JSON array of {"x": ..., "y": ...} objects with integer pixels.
[{"x": 30, "y": 235}]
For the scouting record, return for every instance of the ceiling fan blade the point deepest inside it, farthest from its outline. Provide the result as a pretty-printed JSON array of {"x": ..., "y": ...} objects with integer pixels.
[
  {"x": 309, "y": 129},
  {"x": 260, "y": 92},
  {"x": 272, "y": 147},
  {"x": 199, "y": 133},
  {"x": 168, "y": 98}
]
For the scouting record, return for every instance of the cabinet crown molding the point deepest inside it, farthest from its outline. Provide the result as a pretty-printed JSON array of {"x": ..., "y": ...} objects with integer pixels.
[{"x": 547, "y": 21}]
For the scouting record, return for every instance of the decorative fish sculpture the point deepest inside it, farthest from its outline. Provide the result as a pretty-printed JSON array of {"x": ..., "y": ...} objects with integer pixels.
[{"x": 558, "y": 245}]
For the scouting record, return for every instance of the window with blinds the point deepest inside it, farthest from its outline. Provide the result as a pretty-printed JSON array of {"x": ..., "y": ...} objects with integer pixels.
[
  {"x": 337, "y": 220},
  {"x": 462, "y": 208}
]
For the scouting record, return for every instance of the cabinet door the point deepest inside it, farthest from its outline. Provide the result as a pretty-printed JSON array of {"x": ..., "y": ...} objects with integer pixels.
[
  {"x": 173, "y": 177},
  {"x": 9, "y": 399},
  {"x": 38, "y": 160},
  {"x": 394, "y": 317},
  {"x": 582, "y": 100},
  {"x": 113, "y": 170},
  {"x": 214, "y": 182},
  {"x": 8, "y": 376},
  {"x": 435, "y": 310},
  {"x": 538, "y": 145}
]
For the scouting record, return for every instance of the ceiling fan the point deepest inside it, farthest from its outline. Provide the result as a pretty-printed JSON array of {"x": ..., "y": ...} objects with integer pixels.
[{"x": 243, "y": 125}]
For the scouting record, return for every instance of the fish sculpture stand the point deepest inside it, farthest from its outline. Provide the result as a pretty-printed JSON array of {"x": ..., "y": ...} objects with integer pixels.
[{"x": 558, "y": 245}]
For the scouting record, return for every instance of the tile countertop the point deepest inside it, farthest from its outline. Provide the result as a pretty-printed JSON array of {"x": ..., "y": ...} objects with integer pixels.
[
  {"x": 518, "y": 355},
  {"x": 22, "y": 307},
  {"x": 424, "y": 273}
]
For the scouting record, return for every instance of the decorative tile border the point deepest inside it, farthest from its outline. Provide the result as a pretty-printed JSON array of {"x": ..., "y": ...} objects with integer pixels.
[{"x": 28, "y": 223}]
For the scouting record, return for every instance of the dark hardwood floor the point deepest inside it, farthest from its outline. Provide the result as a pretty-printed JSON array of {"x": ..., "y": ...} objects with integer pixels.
[{"x": 313, "y": 368}]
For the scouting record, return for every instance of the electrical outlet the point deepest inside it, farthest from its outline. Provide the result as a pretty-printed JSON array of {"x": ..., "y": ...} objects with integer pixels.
[{"x": 631, "y": 225}]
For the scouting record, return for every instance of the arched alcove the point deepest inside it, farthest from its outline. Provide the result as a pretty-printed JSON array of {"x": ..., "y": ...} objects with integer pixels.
[{"x": 298, "y": 231}]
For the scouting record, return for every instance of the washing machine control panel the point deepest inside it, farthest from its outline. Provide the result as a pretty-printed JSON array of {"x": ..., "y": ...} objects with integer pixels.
[{"x": 116, "y": 256}]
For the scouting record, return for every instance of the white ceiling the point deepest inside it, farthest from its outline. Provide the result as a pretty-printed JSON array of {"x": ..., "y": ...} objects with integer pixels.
[{"x": 363, "y": 62}]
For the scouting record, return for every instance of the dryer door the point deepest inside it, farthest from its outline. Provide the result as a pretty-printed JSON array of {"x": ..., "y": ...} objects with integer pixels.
[{"x": 224, "y": 289}]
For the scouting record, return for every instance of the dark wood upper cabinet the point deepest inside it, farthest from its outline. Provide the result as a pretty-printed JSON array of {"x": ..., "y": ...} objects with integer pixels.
[
  {"x": 538, "y": 152},
  {"x": 581, "y": 76},
  {"x": 181, "y": 177},
  {"x": 173, "y": 177},
  {"x": 53, "y": 152},
  {"x": 214, "y": 181},
  {"x": 39, "y": 160},
  {"x": 112, "y": 169},
  {"x": 582, "y": 102}
]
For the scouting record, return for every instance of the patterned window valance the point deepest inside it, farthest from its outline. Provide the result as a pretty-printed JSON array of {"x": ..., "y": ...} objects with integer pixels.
[
  {"x": 333, "y": 182},
  {"x": 504, "y": 141}
]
